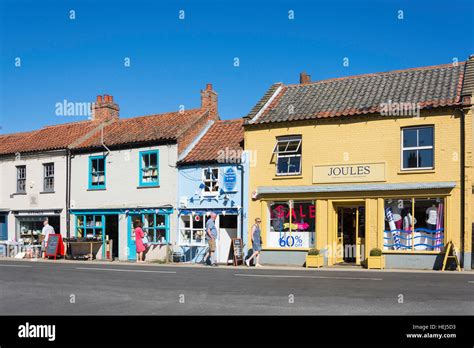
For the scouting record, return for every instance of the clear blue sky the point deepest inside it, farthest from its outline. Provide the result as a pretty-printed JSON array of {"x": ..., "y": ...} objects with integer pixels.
[{"x": 172, "y": 59}]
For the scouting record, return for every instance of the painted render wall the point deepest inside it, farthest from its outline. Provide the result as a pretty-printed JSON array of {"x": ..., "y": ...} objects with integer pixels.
[
  {"x": 122, "y": 188},
  {"x": 34, "y": 187}
]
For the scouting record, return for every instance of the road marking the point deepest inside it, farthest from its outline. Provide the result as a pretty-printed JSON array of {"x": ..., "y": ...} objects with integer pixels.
[
  {"x": 471, "y": 281},
  {"x": 15, "y": 266},
  {"x": 298, "y": 276},
  {"x": 122, "y": 270}
]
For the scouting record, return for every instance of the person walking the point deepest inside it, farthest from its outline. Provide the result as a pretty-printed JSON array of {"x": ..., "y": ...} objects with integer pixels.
[
  {"x": 139, "y": 234},
  {"x": 211, "y": 236},
  {"x": 45, "y": 232},
  {"x": 256, "y": 243}
]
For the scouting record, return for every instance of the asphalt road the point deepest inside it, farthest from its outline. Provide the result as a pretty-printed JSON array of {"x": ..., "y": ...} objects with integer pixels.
[{"x": 43, "y": 288}]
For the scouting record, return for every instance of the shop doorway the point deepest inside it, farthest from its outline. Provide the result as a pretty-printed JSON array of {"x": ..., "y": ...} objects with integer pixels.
[
  {"x": 112, "y": 230},
  {"x": 3, "y": 227},
  {"x": 350, "y": 234},
  {"x": 227, "y": 231}
]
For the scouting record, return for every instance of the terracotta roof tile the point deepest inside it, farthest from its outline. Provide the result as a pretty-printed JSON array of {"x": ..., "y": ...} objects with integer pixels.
[
  {"x": 159, "y": 127},
  {"x": 225, "y": 135}
]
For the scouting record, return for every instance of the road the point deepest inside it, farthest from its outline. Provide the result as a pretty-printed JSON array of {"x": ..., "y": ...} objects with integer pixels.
[{"x": 46, "y": 288}]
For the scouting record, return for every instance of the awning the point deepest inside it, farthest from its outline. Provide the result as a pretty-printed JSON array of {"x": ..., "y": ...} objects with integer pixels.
[{"x": 267, "y": 190}]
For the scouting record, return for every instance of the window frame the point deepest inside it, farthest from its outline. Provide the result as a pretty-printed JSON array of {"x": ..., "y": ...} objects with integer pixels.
[
  {"x": 288, "y": 154},
  {"x": 416, "y": 148},
  {"x": 47, "y": 176},
  {"x": 18, "y": 179},
  {"x": 204, "y": 180},
  {"x": 102, "y": 186},
  {"x": 154, "y": 229},
  {"x": 193, "y": 229},
  {"x": 141, "y": 170}
]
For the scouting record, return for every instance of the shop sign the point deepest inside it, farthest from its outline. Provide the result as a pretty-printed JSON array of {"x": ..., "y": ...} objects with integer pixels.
[
  {"x": 360, "y": 172},
  {"x": 36, "y": 212},
  {"x": 230, "y": 179}
]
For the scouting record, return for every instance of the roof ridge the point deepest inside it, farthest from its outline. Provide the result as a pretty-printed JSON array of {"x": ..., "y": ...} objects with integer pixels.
[
  {"x": 430, "y": 67},
  {"x": 160, "y": 114}
]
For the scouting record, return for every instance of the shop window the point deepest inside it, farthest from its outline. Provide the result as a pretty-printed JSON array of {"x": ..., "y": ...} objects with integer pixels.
[
  {"x": 415, "y": 224},
  {"x": 288, "y": 155},
  {"x": 210, "y": 181},
  {"x": 156, "y": 227},
  {"x": 90, "y": 226},
  {"x": 96, "y": 172},
  {"x": 21, "y": 179},
  {"x": 291, "y": 225},
  {"x": 149, "y": 168},
  {"x": 48, "y": 177},
  {"x": 192, "y": 230},
  {"x": 417, "y": 148}
]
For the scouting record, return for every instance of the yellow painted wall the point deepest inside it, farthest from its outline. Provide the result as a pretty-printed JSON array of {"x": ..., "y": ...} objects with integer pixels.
[{"x": 364, "y": 139}]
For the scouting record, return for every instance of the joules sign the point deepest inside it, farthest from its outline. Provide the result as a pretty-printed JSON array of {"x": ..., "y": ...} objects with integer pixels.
[{"x": 359, "y": 172}]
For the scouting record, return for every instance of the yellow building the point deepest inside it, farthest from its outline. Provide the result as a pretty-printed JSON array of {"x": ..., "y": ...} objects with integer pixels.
[{"x": 350, "y": 164}]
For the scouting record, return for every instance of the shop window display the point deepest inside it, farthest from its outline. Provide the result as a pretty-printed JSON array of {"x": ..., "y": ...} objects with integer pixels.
[
  {"x": 292, "y": 225},
  {"x": 192, "y": 230},
  {"x": 90, "y": 226},
  {"x": 415, "y": 224},
  {"x": 154, "y": 225}
]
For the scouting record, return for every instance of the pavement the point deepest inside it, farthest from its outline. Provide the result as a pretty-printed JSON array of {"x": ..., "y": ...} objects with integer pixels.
[{"x": 65, "y": 287}]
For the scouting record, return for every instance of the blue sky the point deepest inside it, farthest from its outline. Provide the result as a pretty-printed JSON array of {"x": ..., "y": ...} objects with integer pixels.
[{"x": 173, "y": 59}]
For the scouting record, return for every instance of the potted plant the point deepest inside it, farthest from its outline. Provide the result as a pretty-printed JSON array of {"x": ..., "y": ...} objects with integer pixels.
[
  {"x": 314, "y": 258},
  {"x": 376, "y": 260}
]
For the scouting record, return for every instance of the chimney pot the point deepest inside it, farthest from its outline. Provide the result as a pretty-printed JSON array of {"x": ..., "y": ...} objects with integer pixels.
[
  {"x": 105, "y": 109},
  {"x": 209, "y": 87},
  {"x": 305, "y": 78},
  {"x": 99, "y": 99}
]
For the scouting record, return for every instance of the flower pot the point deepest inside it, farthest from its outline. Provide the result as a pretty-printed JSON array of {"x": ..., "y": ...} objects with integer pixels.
[
  {"x": 376, "y": 262},
  {"x": 314, "y": 261}
]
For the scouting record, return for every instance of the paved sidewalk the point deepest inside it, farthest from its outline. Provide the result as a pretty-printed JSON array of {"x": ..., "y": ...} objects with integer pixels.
[{"x": 264, "y": 267}]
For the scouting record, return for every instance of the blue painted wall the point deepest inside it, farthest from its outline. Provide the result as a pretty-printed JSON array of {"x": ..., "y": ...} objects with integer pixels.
[{"x": 190, "y": 183}]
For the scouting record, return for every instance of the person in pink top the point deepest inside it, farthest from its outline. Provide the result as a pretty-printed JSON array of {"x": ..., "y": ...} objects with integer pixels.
[{"x": 139, "y": 234}]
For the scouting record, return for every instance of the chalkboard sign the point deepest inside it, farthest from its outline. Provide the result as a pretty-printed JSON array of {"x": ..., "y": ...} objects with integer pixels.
[
  {"x": 236, "y": 253},
  {"x": 53, "y": 245}
]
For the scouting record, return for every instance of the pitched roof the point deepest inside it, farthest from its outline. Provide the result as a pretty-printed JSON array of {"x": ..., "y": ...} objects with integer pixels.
[
  {"x": 87, "y": 134},
  {"x": 225, "y": 135},
  {"x": 429, "y": 87},
  {"x": 47, "y": 138},
  {"x": 160, "y": 127}
]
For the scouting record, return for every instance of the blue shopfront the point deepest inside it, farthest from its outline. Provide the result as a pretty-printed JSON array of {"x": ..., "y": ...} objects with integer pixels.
[
  {"x": 204, "y": 189},
  {"x": 117, "y": 225}
]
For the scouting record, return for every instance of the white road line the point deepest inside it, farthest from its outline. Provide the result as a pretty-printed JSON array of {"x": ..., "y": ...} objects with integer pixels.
[
  {"x": 471, "y": 281},
  {"x": 15, "y": 266},
  {"x": 297, "y": 276},
  {"x": 122, "y": 270}
]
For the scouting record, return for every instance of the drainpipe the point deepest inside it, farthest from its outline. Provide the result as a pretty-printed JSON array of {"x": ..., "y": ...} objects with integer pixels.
[
  {"x": 241, "y": 168},
  {"x": 68, "y": 192},
  {"x": 463, "y": 183}
]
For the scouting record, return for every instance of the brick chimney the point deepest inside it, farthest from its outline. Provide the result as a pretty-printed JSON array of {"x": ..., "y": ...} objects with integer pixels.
[
  {"x": 304, "y": 78},
  {"x": 104, "y": 109},
  {"x": 209, "y": 101}
]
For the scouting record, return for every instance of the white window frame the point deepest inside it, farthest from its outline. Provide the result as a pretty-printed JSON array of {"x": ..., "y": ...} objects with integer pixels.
[
  {"x": 216, "y": 181},
  {"x": 415, "y": 148},
  {"x": 48, "y": 173},
  {"x": 192, "y": 229},
  {"x": 288, "y": 153},
  {"x": 19, "y": 169}
]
